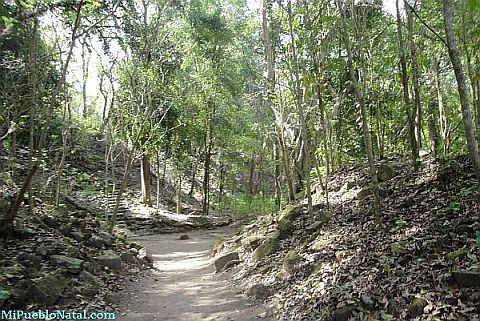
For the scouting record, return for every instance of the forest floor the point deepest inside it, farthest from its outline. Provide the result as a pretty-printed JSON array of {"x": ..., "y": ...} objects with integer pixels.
[{"x": 184, "y": 285}]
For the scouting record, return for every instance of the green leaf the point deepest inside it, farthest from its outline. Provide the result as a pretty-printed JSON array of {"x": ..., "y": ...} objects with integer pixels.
[
  {"x": 478, "y": 238},
  {"x": 386, "y": 316},
  {"x": 9, "y": 21}
]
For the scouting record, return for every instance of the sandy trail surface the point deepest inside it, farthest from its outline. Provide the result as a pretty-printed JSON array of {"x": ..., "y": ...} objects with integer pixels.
[{"x": 184, "y": 286}]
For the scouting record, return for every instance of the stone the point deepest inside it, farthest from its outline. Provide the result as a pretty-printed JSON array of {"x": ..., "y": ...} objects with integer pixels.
[
  {"x": 258, "y": 291},
  {"x": 110, "y": 260},
  {"x": 291, "y": 261},
  {"x": 29, "y": 260},
  {"x": 367, "y": 302},
  {"x": 398, "y": 248},
  {"x": 223, "y": 260},
  {"x": 184, "y": 237},
  {"x": 346, "y": 187},
  {"x": 344, "y": 313},
  {"x": 285, "y": 228},
  {"x": 385, "y": 172},
  {"x": 464, "y": 229},
  {"x": 314, "y": 227},
  {"x": 128, "y": 257},
  {"x": 65, "y": 228},
  {"x": 291, "y": 212},
  {"x": 135, "y": 245},
  {"x": 466, "y": 279},
  {"x": 78, "y": 236},
  {"x": 71, "y": 264},
  {"x": 42, "y": 250},
  {"x": 325, "y": 216},
  {"x": 416, "y": 307},
  {"x": 50, "y": 221},
  {"x": 252, "y": 242},
  {"x": 364, "y": 193},
  {"x": 101, "y": 239},
  {"x": 341, "y": 255},
  {"x": 452, "y": 256},
  {"x": 268, "y": 246},
  {"x": 320, "y": 245},
  {"x": 146, "y": 256},
  {"x": 218, "y": 247},
  {"x": 47, "y": 289},
  {"x": 88, "y": 278}
]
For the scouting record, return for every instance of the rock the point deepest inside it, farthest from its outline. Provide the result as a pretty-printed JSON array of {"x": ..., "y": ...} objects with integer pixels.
[
  {"x": 452, "y": 256},
  {"x": 344, "y": 313},
  {"x": 252, "y": 242},
  {"x": 128, "y": 257},
  {"x": 314, "y": 227},
  {"x": 258, "y": 291},
  {"x": 42, "y": 250},
  {"x": 385, "y": 172},
  {"x": 320, "y": 245},
  {"x": 291, "y": 212},
  {"x": 364, "y": 193},
  {"x": 145, "y": 257},
  {"x": 268, "y": 246},
  {"x": 184, "y": 237},
  {"x": 50, "y": 221},
  {"x": 285, "y": 228},
  {"x": 110, "y": 260},
  {"x": 231, "y": 264},
  {"x": 416, "y": 307},
  {"x": 78, "y": 236},
  {"x": 292, "y": 259},
  {"x": 135, "y": 245},
  {"x": 29, "y": 260},
  {"x": 398, "y": 248},
  {"x": 222, "y": 261},
  {"x": 71, "y": 264},
  {"x": 88, "y": 278},
  {"x": 65, "y": 228},
  {"x": 367, "y": 302},
  {"x": 346, "y": 187},
  {"x": 47, "y": 289},
  {"x": 464, "y": 229},
  {"x": 218, "y": 247},
  {"x": 466, "y": 278},
  {"x": 325, "y": 216},
  {"x": 4, "y": 295},
  {"x": 340, "y": 255}
]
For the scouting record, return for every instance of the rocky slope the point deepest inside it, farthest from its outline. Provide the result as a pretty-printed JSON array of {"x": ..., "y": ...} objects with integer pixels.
[{"x": 418, "y": 261}]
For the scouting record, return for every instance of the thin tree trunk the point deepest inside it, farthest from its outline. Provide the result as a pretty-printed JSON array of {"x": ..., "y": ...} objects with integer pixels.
[
  {"x": 406, "y": 97},
  {"x": 360, "y": 98},
  {"x": 146, "y": 179},
  {"x": 301, "y": 114},
  {"x": 472, "y": 143},
  {"x": 415, "y": 70},
  {"x": 441, "y": 108}
]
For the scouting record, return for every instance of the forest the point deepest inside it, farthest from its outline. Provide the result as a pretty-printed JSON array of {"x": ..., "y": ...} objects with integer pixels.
[{"x": 326, "y": 150}]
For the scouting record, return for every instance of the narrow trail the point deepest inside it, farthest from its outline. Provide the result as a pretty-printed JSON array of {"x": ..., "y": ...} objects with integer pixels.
[{"x": 185, "y": 286}]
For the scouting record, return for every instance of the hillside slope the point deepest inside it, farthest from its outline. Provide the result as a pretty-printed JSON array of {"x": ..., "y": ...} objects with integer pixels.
[{"x": 419, "y": 261}]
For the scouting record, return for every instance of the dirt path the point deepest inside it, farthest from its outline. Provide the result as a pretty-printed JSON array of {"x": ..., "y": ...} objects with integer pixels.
[{"x": 185, "y": 287}]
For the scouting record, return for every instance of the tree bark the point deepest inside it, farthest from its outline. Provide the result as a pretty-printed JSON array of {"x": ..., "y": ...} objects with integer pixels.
[
  {"x": 360, "y": 98},
  {"x": 301, "y": 114},
  {"x": 406, "y": 96},
  {"x": 472, "y": 143},
  {"x": 146, "y": 178}
]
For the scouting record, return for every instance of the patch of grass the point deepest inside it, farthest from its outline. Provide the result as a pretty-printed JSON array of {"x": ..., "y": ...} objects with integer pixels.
[{"x": 242, "y": 204}]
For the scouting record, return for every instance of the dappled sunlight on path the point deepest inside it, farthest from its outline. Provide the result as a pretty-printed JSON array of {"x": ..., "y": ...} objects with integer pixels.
[{"x": 185, "y": 286}]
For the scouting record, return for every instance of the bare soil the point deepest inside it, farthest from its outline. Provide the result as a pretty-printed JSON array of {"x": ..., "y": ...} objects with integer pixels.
[{"x": 185, "y": 286}]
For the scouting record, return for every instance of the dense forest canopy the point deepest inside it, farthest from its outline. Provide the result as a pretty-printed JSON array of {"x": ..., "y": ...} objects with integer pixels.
[{"x": 249, "y": 103}]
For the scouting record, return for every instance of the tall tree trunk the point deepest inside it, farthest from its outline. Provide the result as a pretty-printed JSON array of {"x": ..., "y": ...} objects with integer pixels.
[
  {"x": 472, "y": 143},
  {"x": 301, "y": 114},
  {"x": 121, "y": 190},
  {"x": 441, "y": 107},
  {"x": 146, "y": 178},
  {"x": 360, "y": 98},
  {"x": 417, "y": 110},
  {"x": 278, "y": 186},
  {"x": 406, "y": 96}
]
